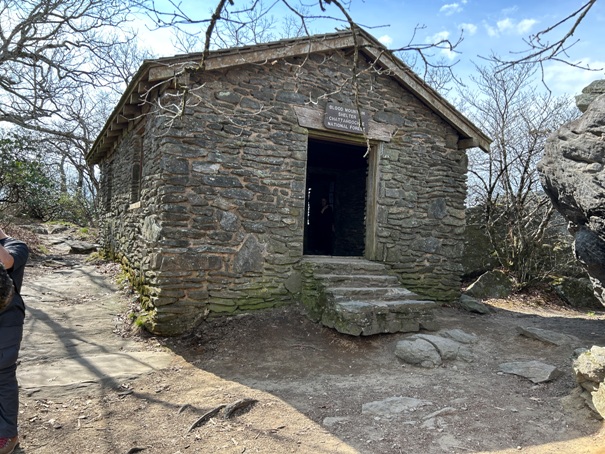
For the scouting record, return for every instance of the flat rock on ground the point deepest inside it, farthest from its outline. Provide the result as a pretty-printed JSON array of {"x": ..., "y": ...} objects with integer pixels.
[{"x": 67, "y": 335}]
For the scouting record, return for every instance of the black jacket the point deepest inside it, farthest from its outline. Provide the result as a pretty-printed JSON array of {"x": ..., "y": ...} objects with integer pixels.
[{"x": 14, "y": 314}]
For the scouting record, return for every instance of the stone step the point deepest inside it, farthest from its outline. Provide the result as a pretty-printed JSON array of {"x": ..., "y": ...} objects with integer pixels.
[
  {"x": 371, "y": 293},
  {"x": 358, "y": 280},
  {"x": 380, "y": 307},
  {"x": 359, "y": 297},
  {"x": 346, "y": 265},
  {"x": 367, "y": 318}
]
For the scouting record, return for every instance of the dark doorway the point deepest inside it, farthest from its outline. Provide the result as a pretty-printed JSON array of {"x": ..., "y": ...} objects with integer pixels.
[{"x": 335, "y": 199}]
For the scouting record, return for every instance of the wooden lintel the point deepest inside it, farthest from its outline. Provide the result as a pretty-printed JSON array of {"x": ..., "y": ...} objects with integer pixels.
[
  {"x": 128, "y": 113},
  {"x": 183, "y": 80},
  {"x": 314, "y": 119},
  {"x": 163, "y": 72},
  {"x": 115, "y": 126},
  {"x": 135, "y": 98},
  {"x": 144, "y": 87}
]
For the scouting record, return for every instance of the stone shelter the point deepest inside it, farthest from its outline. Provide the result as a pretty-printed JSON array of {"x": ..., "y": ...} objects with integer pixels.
[{"x": 227, "y": 176}]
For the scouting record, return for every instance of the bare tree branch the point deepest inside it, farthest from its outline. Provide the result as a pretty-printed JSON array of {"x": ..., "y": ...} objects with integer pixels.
[
  {"x": 542, "y": 49},
  {"x": 516, "y": 213}
]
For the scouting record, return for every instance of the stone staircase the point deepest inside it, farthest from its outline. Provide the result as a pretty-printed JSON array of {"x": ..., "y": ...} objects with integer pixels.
[{"x": 360, "y": 297}]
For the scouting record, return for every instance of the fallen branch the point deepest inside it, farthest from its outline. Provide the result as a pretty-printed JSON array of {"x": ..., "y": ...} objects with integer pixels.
[
  {"x": 135, "y": 449},
  {"x": 204, "y": 419},
  {"x": 242, "y": 404},
  {"x": 183, "y": 408}
]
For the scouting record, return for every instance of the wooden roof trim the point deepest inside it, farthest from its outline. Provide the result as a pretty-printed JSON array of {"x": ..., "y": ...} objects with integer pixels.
[
  {"x": 167, "y": 69},
  {"x": 431, "y": 97},
  {"x": 154, "y": 72}
]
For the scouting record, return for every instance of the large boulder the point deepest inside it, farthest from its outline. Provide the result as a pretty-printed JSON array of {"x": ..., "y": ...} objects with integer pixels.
[
  {"x": 573, "y": 176},
  {"x": 493, "y": 284},
  {"x": 478, "y": 254},
  {"x": 577, "y": 292},
  {"x": 589, "y": 370},
  {"x": 589, "y": 94}
]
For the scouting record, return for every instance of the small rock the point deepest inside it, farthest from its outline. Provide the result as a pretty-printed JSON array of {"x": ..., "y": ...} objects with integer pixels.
[
  {"x": 471, "y": 304},
  {"x": 331, "y": 421},
  {"x": 589, "y": 369},
  {"x": 81, "y": 247},
  {"x": 550, "y": 337},
  {"x": 447, "y": 348},
  {"x": 418, "y": 352},
  {"x": 535, "y": 371},
  {"x": 460, "y": 336},
  {"x": 37, "y": 229},
  {"x": 52, "y": 229},
  {"x": 393, "y": 406}
]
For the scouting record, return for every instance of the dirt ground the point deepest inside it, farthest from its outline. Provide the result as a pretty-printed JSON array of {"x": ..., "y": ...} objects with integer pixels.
[{"x": 310, "y": 383}]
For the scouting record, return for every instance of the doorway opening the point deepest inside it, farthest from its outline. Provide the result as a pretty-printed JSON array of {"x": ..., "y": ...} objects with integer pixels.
[{"x": 335, "y": 208}]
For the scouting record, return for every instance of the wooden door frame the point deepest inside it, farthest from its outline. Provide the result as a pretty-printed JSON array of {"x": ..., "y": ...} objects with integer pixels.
[
  {"x": 372, "y": 192},
  {"x": 372, "y": 182}
]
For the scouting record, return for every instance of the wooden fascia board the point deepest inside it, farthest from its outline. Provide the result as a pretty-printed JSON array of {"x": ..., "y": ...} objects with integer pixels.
[
  {"x": 430, "y": 97},
  {"x": 168, "y": 69},
  {"x": 153, "y": 72},
  {"x": 130, "y": 98}
]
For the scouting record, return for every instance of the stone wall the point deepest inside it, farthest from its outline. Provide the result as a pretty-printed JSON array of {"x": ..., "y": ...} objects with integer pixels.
[
  {"x": 421, "y": 205},
  {"x": 220, "y": 224}
]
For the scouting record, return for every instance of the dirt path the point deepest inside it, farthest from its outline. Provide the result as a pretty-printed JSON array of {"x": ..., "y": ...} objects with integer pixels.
[{"x": 310, "y": 383}]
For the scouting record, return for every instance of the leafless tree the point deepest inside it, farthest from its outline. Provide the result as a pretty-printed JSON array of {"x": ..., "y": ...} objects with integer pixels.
[
  {"x": 63, "y": 65},
  {"x": 552, "y": 43},
  {"x": 53, "y": 51},
  {"x": 504, "y": 185}
]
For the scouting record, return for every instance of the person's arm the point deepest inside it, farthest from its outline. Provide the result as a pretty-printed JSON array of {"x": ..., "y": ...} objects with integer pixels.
[{"x": 5, "y": 257}]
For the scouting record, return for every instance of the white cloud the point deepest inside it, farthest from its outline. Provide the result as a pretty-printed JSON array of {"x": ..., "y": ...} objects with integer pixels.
[
  {"x": 525, "y": 26},
  {"x": 564, "y": 79},
  {"x": 509, "y": 26},
  {"x": 491, "y": 31},
  {"x": 386, "y": 40},
  {"x": 449, "y": 54},
  {"x": 511, "y": 10},
  {"x": 440, "y": 36},
  {"x": 451, "y": 8},
  {"x": 504, "y": 25},
  {"x": 469, "y": 29}
]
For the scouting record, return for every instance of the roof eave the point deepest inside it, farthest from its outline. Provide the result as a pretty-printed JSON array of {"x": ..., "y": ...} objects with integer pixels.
[{"x": 157, "y": 71}]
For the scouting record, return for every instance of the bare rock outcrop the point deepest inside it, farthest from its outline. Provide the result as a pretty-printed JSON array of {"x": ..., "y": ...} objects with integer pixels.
[
  {"x": 589, "y": 94},
  {"x": 589, "y": 370},
  {"x": 573, "y": 176}
]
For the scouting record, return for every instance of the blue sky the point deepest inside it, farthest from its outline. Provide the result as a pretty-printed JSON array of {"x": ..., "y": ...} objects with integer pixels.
[{"x": 488, "y": 26}]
